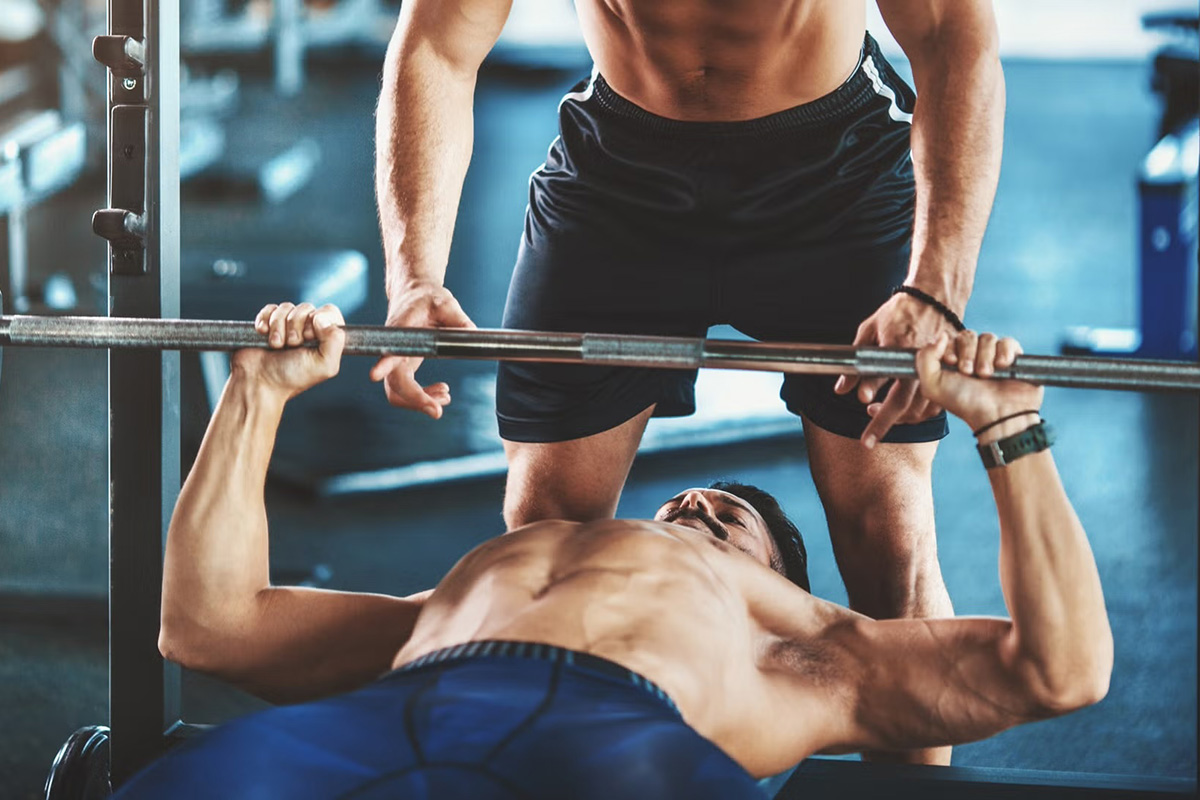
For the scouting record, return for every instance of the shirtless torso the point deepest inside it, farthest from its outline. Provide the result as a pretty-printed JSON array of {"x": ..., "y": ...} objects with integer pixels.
[
  {"x": 710, "y": 625},
  {"x": 723, "y": 59}
]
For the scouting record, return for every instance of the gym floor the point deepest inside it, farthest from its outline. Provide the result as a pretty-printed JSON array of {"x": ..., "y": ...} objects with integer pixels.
[{"x": 1061, "y": 251}]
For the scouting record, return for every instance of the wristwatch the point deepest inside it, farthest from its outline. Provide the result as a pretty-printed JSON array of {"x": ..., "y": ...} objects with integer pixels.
[{"x": 1004, "y": 451}]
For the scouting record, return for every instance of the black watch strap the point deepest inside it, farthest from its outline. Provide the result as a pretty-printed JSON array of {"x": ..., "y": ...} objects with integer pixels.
[{"x": 1007, "y": 450}]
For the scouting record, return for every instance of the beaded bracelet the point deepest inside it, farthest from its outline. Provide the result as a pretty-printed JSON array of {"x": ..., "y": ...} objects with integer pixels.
[
  {"x": 991, "y": 425},
  {"x": 930, "y": 300}
]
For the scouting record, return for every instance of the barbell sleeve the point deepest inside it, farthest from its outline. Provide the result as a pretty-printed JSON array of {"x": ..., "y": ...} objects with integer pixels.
[{"x": 590, "y": 348}]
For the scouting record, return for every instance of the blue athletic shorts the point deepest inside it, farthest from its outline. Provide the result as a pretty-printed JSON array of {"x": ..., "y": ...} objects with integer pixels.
[
  {"x": 791, "y": 227},
  {"x": 474, "y": 722}
]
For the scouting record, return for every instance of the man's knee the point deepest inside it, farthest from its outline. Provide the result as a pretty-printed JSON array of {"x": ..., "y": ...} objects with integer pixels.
[
  {"x": 543, "y": 490},
  {"x": 887, "y": 554},
  {"x": 526, "y": 504}
]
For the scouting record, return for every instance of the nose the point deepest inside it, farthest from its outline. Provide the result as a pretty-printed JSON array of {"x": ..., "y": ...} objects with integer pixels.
[{"x": 698, "y": 500}]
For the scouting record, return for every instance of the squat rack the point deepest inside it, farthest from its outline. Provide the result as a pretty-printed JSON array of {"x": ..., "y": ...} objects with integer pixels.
[{"x": 141, "y": 52}]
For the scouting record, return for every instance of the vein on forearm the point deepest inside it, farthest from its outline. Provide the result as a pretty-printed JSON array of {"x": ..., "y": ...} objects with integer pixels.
[
  {"x": 957, "y": 139},
  {"x": 424, "y": 136},
  {"x": 217, "y": 554}
]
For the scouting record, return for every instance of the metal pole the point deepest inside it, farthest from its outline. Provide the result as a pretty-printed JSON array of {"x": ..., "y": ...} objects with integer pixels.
[
  {"x": 143, "y": 392},
  {"x": 593, "y": 348}
]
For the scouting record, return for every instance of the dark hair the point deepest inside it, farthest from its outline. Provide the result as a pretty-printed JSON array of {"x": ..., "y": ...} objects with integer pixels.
[{"x": 794, "y": 558}]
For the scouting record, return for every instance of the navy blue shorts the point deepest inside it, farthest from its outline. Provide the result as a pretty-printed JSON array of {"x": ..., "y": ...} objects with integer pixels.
[
  {"x": 482, "y": 721},
  {"x": 791, "y": 227}
]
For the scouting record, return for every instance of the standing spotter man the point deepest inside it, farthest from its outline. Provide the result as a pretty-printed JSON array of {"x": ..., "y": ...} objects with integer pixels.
[{"x": 752, "y": 163}]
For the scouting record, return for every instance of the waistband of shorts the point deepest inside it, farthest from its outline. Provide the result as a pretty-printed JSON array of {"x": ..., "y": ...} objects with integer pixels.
[
  {"x": 848, "y": 99},
  {"x": 536, "y": 651}
]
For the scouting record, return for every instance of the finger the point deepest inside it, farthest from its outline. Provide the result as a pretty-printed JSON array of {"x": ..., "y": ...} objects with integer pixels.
[
  {"x": 845, "y": 383},
  {"x": 964, "y": 347},
  {"x": 403, "y": 391},
  {"x": 262, "y": 319},
  {"x": 332, "y": 337},
  {"x": 296, "y": 320},
  {"x": 388, "y": 363},
  {"x": 277, "y": 324},
  {"x": 917, "y": 411},
  {"x": 890, "y": 411},
  {"x": 335, "y": 313},
  {"x": 869, "y": 388},
  {"x": 866, "y": 334},
  {"x": 930, "y": 358},
  {"x": 948, "y": 354},
  {"x": 985, "y": 355},
  {"x": 1007, "y": 350}
]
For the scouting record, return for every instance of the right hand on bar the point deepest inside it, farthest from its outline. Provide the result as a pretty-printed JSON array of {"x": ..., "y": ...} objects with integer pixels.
[
  {"x": 962, "y": 393},
  {"x": 285, "y": 365},
  {"x": 422, "y": 305}
]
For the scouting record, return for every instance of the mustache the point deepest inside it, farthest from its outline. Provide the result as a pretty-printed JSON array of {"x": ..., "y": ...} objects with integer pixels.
[{"x": 717, "y": 528}]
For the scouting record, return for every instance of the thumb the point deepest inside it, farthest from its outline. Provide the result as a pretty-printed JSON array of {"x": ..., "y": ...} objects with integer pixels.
[
  {"x": 929, "y": 360},
  {"x": 384, "y": 366},
  {"x": 330, "y": 335}
]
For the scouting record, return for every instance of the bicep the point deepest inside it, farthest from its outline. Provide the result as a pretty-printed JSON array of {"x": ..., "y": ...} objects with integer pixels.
[{"x": 460, "y": 32}]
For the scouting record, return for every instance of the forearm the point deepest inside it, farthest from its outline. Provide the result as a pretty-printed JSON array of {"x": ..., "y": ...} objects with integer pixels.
[
  {"x": 217, "y": 558},
  {"x": 1060, "y": 634},
  {"x": 957, "y": 139},
  {"x": 424, "y": 131}
]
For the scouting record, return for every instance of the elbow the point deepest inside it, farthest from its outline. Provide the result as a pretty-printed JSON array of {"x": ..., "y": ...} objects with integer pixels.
[
  {"x": 1070, "y": 683},
  {"x": 1070, "y": 694},
  {"x": 186, "y": 642},
  {"x": 955, "y": 47},
  {"x": 211, "y": 646}
]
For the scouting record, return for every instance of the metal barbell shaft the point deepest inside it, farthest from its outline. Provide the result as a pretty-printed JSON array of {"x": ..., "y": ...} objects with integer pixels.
[{"x": 589, "y": 348}]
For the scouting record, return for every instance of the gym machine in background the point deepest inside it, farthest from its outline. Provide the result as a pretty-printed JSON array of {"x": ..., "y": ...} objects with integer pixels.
[
  {"x": 1168, "y": 198},
  {"x": 43, "y": 140}
]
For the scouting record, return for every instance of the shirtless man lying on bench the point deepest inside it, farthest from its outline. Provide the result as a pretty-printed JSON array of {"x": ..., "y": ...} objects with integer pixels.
[{"x": 675, "y": 657}]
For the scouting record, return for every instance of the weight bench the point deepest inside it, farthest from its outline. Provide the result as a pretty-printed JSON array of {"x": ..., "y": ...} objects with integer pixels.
[{"x": 220, "y": 285}]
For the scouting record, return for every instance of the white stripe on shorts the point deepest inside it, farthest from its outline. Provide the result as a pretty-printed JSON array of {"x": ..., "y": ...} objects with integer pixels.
[{"x": 882, "y": 89}]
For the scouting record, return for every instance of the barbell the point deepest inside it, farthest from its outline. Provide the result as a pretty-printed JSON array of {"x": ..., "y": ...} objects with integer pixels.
[{"x": 664, "y": 352}]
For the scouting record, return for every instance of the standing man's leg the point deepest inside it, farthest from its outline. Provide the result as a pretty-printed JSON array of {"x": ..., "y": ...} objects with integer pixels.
[
  {"x": 608, "y": 246},
  {"x": 879, "y": 506},
  {"x": 823, "y": 257},
  {"x": 579, "y": 479}
]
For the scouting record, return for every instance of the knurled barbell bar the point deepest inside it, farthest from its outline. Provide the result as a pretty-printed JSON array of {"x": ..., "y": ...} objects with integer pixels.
[{"x": 590, "y": 348}]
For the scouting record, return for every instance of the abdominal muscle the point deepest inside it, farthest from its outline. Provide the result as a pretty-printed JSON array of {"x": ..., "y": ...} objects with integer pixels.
[
  {"x": 645, "y": 595},
  {"x": 723, "y": 60}
]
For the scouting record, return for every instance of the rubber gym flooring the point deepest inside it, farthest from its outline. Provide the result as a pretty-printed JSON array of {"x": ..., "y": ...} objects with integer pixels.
[{"x": 1061, "y": 250}]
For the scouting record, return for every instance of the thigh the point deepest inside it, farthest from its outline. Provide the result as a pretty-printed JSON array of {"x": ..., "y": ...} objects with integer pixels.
[
  {"x": 320, "y": 749},
  {"x": 578, "y": 480},
  {"x": 573, "y": 274},
  {"x": 890, "y": 484},
  {"x": 603, "y": 749},
  {"x": 821, "y": 295}
]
